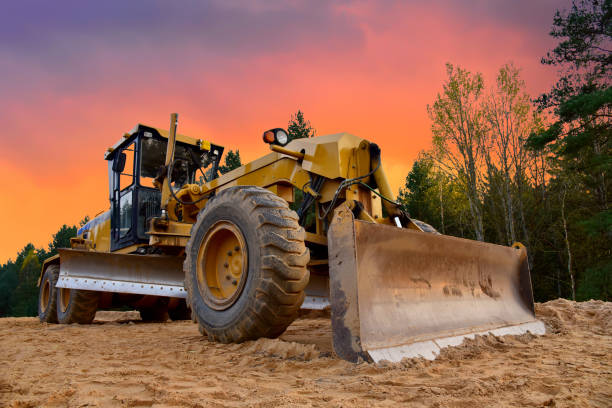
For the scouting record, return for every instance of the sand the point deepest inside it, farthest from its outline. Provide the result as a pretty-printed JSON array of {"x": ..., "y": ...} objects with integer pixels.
[{"x": 120, "y": 361}]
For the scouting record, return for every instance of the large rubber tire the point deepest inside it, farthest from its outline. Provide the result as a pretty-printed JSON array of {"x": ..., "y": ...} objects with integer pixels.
[
  {"x": 76, "y": 305},
  {"x": 47, "y": 298},
  {"x": 277, "y": 272},
  {"x": 180, "y": 312},
  {"x": 157, "y": 313}
]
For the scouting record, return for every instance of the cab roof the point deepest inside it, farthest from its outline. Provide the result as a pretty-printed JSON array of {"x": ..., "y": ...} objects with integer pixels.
[{"x": 131, "y": 135}]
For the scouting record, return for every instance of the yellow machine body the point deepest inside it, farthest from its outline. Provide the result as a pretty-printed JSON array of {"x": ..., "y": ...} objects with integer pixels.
[{"x": 395, "y": 291}]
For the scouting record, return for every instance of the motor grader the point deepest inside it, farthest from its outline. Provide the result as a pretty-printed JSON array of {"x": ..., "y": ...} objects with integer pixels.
[{"x": 312, "y": 224}]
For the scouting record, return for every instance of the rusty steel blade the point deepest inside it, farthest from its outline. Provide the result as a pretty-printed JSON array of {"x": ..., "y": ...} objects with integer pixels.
[
  {"x": 159, "y": 275},
  {"x": 399, "y": 293}
]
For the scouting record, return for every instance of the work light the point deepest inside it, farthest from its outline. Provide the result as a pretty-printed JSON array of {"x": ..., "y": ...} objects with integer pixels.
[{"x": 276, "y": 136}]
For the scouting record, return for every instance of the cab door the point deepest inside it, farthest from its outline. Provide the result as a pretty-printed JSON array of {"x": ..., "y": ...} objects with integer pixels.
[{"x": 124, "y": 198}]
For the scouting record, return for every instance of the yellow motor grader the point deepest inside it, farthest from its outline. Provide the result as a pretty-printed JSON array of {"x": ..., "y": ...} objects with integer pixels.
[{"x": 313, "y": 224}]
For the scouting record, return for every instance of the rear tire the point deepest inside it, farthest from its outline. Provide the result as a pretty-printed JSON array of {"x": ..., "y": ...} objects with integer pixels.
[
  {"x": 47, "y": 297},
  {"x": 267, "y": 245},
  {"x": 76, "y": 305}
]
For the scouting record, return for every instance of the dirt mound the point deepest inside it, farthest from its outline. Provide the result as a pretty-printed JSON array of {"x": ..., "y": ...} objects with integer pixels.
[
  {"x": 121, "y": 361},
  {"x": 563, "y": 315}
]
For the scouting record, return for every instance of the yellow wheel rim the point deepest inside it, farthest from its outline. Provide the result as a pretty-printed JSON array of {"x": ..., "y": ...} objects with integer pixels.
[
  {"x": 44, "y": 297},
  {"x": 64, "y": 299},
  {"x": 222, "y": 265}
]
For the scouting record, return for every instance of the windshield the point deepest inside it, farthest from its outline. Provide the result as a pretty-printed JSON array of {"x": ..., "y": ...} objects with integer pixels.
[{"x": 153, "y": 157}]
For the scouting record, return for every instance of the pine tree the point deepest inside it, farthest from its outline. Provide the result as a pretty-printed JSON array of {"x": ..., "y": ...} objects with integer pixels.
[
  {"x": 232, "y": 161},
  {"x": 299, "y": 127},
  {"x": 61, "y": 239}
]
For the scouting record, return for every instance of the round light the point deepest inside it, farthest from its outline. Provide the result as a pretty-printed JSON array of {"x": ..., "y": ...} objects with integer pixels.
[
  {"x": 281, "y": 137},
  {"x": 268, "y": 136}
]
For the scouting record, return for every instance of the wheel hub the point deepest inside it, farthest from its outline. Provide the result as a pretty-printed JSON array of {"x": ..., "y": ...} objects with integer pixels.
[{"x": 222, "y": 265}]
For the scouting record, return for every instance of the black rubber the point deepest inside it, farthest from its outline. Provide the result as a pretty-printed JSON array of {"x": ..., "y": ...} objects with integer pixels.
[
  {"x": 82, "y": 306},
  {"x": 50, "y": 314},
  {"x": 180, "y": 312},
  {"x": 277, "y": 258},
  {"x": 158, "y": 312}
]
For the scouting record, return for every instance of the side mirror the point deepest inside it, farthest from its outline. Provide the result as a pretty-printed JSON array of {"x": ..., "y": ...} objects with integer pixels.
[{"x": 119, "y": 163}]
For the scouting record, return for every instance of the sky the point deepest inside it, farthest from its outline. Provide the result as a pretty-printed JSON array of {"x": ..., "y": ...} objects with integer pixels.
[{"x": 75, "y": 76}]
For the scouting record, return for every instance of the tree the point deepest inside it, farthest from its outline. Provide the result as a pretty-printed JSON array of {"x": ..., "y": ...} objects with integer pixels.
[
  {"x": 522, "y": 194},
  {"x": 579, "y": 137},
  {"x": 510, "y": 120},
  {"x": 18, "y": 290},
  {"x": 61, "y": 239},
  {"x": 232, "y": 161},
  {"x": 458, "y": 129},
  {"x": 84, "y": 220},
  {"x": 299, "y": 128},
  {"x": 24, "y": 300},
  {"x": 9, "y": 279},
  {"x": 416, "y": 194},
  {"x": 582, "y": 98},
  {"x": 18, "y": 279}
]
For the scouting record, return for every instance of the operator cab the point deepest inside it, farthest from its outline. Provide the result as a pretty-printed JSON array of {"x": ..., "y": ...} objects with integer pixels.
[{"x": 133, "y": 165}]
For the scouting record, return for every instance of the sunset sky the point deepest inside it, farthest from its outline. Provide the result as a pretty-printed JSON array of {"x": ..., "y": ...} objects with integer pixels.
[{"x": 75, "y": 75}]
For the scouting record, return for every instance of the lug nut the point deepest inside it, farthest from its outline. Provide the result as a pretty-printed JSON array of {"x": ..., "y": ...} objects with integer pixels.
[
  {"x": 236, "y": 248},
  {"x": 226, "y": 265},
  {"x": 228, "y": 277},
  {"x": 234, "y": 282},
  {"x": 229, "y": 253}
]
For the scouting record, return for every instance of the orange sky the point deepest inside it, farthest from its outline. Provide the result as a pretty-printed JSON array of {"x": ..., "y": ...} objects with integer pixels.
[{"x": 75, "y": 76}]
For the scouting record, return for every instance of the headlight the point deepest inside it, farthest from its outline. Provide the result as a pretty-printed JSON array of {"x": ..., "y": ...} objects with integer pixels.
[
  {"x": 276, "y": 136},
  {"x": 281, "y": 137}
]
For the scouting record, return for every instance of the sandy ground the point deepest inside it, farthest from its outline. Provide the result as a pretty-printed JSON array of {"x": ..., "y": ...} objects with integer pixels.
[{"x": 119, "y": 361}]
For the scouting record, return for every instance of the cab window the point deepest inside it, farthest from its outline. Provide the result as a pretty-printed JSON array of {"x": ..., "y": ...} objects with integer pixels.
[{"x": 126, "y": 178}]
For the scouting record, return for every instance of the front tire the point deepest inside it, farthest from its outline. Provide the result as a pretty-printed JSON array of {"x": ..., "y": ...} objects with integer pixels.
[
  {"x": 245, "y": 266},
  {"x": 47, "y": 297},
  {"x": 76, "y": 305}
]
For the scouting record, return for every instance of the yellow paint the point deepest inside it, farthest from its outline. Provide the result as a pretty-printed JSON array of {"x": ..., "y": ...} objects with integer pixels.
[{"x": 335, "y": 157}]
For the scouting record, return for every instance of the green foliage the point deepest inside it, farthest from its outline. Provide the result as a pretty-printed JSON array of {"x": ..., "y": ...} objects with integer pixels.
[
  {"x": 299, "y": 128},
  {"x": 554, "y": 199},
  {"x": 19, "y": 278},
  {"x": 84, "y": 221},
  {"x": 578, "y": 140},
  {"x": 232, "y": 161},
  {"x": 417, "y": 195},
  {"x": 9, "y": 279},
  {"x": 583, "y": 51},
  {"x": 547, "y": 185},
  {"x": 596, "y": 283},
  {"x": 25, "y": 296},
  {"x": 458, "y": 128},
  {"x": 61, "y": 239}
]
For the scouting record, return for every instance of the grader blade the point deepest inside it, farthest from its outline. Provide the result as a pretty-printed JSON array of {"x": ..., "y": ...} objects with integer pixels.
[
  {"x": 398, "y": 293},
  {"x": 158, "y": 275}
]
